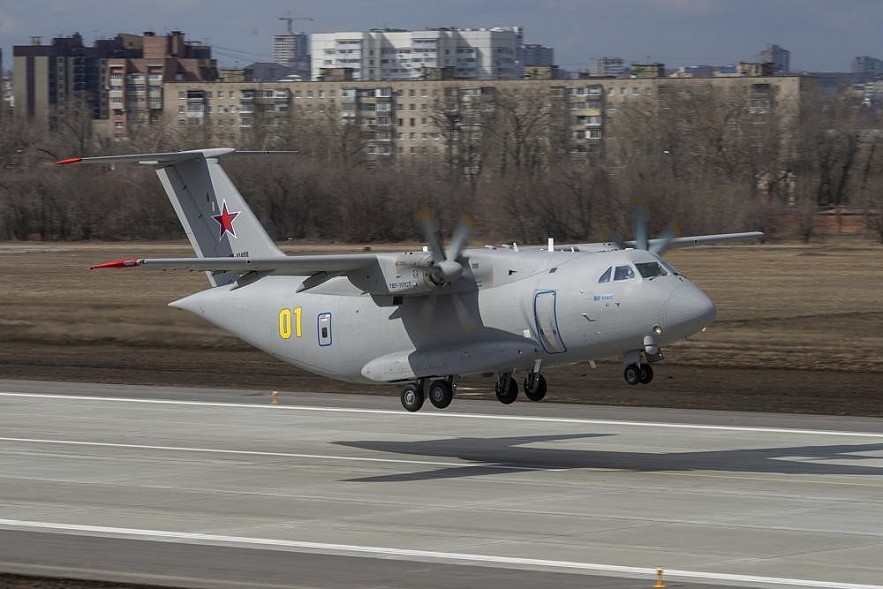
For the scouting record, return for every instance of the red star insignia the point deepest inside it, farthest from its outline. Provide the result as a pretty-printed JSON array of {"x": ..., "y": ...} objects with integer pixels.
[{"x": 225, "y": 220}]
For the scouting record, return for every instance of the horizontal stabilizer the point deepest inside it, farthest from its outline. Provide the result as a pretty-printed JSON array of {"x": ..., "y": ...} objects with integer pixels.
[
  {"x": 286, "y": 265},
  {"x": 151, "y": 159}
]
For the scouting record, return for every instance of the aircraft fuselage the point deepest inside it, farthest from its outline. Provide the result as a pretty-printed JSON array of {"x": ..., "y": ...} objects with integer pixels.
[{"x": 510, "y": 310}]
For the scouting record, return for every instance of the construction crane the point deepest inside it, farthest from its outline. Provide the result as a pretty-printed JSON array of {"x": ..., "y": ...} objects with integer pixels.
[{"x": 289, "y": 19}]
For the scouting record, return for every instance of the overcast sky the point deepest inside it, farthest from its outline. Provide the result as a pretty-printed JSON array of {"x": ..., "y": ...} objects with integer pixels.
[{"x": 822, "y": 35}]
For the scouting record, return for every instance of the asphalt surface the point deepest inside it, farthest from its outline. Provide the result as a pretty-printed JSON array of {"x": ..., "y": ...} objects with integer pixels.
[{"x": 206, "y": 488}]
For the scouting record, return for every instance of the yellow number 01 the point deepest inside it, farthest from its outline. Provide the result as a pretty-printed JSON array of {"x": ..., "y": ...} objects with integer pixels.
[{"x": 285, "y": 322}]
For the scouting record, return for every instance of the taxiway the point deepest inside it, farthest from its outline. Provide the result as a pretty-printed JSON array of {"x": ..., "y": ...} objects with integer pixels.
[{"x": 214, "y": 488}]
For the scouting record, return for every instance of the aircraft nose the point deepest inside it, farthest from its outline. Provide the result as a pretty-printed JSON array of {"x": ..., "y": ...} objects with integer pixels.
[{"x": 689, "y": 308}]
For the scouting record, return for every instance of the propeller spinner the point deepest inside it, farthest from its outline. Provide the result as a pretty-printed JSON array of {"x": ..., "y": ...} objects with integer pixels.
[{"x": 445, "y": 267}]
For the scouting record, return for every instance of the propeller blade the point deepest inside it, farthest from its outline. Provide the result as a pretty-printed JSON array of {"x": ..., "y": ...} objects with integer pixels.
[
  {"x": 430, "y": 233},
  {"x": 640, "y": 228},
  {"x": 616, "y": 239},
  {"x": 661, "y": 243},
  {"x": 464, "y": 316},
  {"x": 458, "y": 240}
]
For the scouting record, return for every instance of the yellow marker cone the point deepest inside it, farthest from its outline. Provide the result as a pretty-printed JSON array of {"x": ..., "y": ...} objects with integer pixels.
[
  {"x": 274, "y": 398},
  {"x": 659, "y": 584}
]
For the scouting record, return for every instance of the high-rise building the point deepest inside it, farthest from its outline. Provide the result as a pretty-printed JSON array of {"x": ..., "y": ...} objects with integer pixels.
[
  {"x": 390, "y": 54},
  {"x": 606, "y": 66},
  {"x": 118, "y": 80},
  {"x": 49, "y": 79},
  {"x": 293, "y": 50},
  {"x": 867, "y": 68},
  {"x": 534, "y": 54},
  {"x": 135, "y": 84},
  {"x": 779, "y": 57}
]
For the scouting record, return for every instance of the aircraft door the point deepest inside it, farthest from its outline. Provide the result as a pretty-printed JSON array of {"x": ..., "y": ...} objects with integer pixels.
[
  {"x": 547, "y": 321},
  {"x": 324, "y": 329}
]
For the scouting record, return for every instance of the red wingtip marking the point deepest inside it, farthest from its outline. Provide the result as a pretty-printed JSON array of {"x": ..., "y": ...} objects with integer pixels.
[
  {"x": 70, "y": 160},
  {"x": 127, "y": 263}
]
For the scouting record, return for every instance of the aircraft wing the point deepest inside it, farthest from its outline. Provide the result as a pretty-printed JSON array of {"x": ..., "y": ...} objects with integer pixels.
[
  {"x": 705, "y": 239},
  {"x": 405, "y": 273},
  {"x": 288, "y": 265},
  {"x": 666, "y": 243}
]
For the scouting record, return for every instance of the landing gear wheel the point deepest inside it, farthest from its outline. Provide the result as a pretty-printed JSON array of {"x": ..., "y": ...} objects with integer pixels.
[
  {"x": 506, "y": 390},
  {"x": 535, "y": 387},
  {"x": 645, "y": 373},
  {"x": 412, "y": 397},
  {"x": 632, "y": 374},
  {"x": 441, "y": 393}
]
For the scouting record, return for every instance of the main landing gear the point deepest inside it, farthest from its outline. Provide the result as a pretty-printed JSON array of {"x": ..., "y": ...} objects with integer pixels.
[{"x": 440, "y": 393}]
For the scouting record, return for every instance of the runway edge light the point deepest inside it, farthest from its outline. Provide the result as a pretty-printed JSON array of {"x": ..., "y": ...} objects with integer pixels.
[
  {"x": 274, "y": 397},
  {"x": 659, "y": 583}
]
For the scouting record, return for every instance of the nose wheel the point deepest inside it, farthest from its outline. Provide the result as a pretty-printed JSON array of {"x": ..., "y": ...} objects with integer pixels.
[{"x": 638, "y": 373}]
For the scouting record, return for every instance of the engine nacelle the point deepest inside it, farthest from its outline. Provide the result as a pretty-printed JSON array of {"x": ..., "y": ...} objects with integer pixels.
[{"x": 396, "y": 274}]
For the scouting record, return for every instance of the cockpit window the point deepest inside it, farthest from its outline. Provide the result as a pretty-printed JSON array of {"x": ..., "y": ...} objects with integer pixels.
[
  {"x": 623, "y": 273},
  {"x": 606, "y": 276},
  {"x": 671, "y": 269},
  {"x": 650, "y": 269}
]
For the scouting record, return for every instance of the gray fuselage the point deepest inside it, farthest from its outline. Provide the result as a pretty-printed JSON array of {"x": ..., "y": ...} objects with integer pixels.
[{"x": 511, "y": 309}]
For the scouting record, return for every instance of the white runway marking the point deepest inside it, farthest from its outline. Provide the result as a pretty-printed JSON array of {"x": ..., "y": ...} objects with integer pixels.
[
  {"x": 417, "y": 555},
  {"x": 447, "y": 415},
  {"x": 280, "y": 454}
]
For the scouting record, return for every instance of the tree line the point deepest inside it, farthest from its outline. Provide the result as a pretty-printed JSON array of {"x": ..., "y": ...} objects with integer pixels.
[{"x": 708, "y": 161}]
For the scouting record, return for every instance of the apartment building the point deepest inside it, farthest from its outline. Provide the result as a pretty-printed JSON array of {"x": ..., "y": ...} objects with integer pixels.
[
  {"x": 391, "y": 54},
  {"x": 447, "y": 118},
  {"x": 135, "y": 84},
  {"x": 606, "y": 66},
  {"x": 120, "y": 80}
]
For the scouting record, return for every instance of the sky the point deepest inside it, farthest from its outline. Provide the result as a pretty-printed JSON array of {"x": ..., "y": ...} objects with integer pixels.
[{"x": 822, "y": 35}]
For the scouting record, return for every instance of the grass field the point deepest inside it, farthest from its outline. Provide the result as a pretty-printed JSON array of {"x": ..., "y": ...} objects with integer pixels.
[{"x": 799, "y": 329}]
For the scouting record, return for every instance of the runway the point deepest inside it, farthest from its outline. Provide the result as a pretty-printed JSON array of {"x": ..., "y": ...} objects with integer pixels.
[{"x": 220, "y": 488}]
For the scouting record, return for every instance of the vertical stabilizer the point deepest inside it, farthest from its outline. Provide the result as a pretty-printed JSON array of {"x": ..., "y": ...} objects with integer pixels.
[{"x": 214, "y": 215}]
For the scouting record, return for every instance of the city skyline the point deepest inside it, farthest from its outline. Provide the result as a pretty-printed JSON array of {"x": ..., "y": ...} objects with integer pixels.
[{"x": 822, "y": 36}]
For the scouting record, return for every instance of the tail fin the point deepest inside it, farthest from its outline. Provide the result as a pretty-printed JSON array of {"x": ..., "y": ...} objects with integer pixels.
[{"x": 215, "y": 217}]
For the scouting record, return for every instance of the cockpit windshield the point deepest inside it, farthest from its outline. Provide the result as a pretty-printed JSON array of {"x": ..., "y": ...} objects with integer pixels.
[
  {"x": 651, "y": 270},
  {"x": 623, "y": 273}
]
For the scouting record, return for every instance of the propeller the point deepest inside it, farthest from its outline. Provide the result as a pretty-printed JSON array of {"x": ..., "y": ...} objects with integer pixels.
[
  {"x": 658, "y": 245},
  {"x": 445, "y": 267}
]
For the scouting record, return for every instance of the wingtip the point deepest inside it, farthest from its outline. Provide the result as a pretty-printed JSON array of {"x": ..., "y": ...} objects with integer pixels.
[
  {"x": 125, "y": 263},
  {"x": 70, "y": 160}
]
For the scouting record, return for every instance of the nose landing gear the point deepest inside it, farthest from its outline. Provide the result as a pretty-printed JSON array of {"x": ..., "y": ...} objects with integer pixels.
[
  {"x": 638, "y": 367},
  {"x": 638, "y": 373}
]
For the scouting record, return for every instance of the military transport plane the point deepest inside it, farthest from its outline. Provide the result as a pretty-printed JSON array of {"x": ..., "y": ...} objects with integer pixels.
[{"x": 424, "y": 318}]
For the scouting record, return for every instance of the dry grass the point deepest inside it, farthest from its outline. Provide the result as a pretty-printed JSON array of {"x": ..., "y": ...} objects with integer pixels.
[{"x": 800, "y": 328}]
